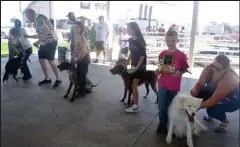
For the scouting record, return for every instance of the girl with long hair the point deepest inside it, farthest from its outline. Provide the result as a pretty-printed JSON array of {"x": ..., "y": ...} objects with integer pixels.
[{"x": 138, "y": 58}]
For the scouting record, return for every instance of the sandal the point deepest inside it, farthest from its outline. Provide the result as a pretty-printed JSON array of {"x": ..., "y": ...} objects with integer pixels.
[
  {"x": 207, "y": 118},
  {"x": 221, "y": 128}
]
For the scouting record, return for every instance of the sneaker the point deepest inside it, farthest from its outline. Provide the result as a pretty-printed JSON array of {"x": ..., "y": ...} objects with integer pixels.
[
  {"x": 57, "y": 83},
  {"x": 104, "y": 62},
  {"x": 96, "y": 61},
  {"x": 161, "y": 129},
  {"x": 45, "y": 81},
  {"x": 26, "y": 78},
  {"x": 132, "y": 109}
]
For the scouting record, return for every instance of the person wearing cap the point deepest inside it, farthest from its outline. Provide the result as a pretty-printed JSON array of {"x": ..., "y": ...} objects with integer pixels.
[
  {"x": 72, "y": 18},
  {"x": 48, "y": 40},
  {"x": 19, "y": 43},
  {"x": 101, "y": 37}
]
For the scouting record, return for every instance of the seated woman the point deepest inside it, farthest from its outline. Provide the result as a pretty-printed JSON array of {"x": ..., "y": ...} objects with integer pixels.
[{"x": 218, "y": 85}]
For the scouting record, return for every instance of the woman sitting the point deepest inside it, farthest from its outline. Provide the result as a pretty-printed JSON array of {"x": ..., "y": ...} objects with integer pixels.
[{"x": 218, "y": 85}]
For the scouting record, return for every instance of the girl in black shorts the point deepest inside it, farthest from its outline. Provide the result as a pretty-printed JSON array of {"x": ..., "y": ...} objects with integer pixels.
[{"x": 138, "y": 57}]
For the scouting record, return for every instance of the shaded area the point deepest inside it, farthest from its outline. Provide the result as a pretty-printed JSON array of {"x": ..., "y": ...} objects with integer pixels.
[{"x": 34, "y": 116}]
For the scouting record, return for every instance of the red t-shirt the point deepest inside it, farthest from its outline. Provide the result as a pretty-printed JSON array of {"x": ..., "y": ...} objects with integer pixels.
[{"x": 167, "y": 80}]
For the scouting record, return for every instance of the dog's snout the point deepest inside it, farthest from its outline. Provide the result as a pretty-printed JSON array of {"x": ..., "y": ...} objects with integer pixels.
[{"x": 193, "y": 114}]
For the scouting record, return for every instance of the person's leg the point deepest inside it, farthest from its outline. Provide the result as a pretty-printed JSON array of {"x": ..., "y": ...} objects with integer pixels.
[
  {"x": 97, "y": 52},
  {"x": 50, "y": 58},
  {"x": 103, "y": 46},
  {"x": 219, "y": 110},
  {"x": 82, "y": 69},
  {"x": 43, "y": 62},
  {"x": 162, "y": 111},
  {"x": 136, "y": 78},
  {"x": 170, "y": 96},
  {"x": 25, "y": 69}
]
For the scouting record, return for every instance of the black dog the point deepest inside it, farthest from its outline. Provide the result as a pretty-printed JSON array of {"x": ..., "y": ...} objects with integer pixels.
[
  {"x": 149, "y": 78},
  {"x": 72, "y": 70},
  {"x": 12, "y": 66}
]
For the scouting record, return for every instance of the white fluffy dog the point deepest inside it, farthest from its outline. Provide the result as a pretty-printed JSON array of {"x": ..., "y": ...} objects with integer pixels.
[{"x": 181, "y": 116}]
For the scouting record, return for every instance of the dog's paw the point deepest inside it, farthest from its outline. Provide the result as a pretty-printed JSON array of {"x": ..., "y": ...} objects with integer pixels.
[
  {"x": 122, "y": 100},
  {"x": 156, "y": 102},
  {"x": 65, "y": 96},
  {"x": 189, "y": 142},
  {"x": 144, "y": 96},
  {"x": 168, "y": 139},
  {"x": 72, "y": 99}
]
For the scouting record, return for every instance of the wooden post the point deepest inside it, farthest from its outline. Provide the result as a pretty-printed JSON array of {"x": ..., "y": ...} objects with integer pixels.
[{"x": 193, "y": 33}]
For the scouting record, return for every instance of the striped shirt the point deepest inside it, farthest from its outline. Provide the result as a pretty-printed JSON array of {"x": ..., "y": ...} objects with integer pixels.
[{"x": 42, "y": 21}]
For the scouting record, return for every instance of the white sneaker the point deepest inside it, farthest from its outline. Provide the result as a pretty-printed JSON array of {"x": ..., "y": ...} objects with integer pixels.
[{"x": 132, "y": 109}]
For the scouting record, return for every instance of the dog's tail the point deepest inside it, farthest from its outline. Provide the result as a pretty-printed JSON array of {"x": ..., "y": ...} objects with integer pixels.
[
  {"x": 5, "y": 76},
  {"x": 199, "y": 127},
  {"x": 96, "y": 84}
]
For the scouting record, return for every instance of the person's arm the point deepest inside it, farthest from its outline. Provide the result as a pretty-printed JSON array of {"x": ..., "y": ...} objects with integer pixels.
[
  {"x": 107, "y": 32},
  {"x": 32, "y": 36},
  {"x": 10, "y": 40},
  {"x": 202, "y": 80},
  {"x": 222, "y": 91},
  {"x": 142, "y": 53},
  {"x": 70, "y": 34},
  {"x": 184, "y": 66}
]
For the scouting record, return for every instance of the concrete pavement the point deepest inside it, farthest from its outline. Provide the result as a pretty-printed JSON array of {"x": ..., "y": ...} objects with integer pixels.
[{"x": 33, "y": 116}]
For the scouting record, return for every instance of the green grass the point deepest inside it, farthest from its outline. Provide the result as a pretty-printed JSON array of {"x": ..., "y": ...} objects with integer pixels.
[{"x": 4, "y": 48}]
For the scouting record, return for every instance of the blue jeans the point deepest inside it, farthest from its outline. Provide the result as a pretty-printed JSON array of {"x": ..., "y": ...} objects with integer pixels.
[
  {"x": 165, "y": 98},
  {"x": 229, "y": 104}
]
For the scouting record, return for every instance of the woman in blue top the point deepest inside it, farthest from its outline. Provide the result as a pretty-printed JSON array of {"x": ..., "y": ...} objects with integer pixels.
[{"x": 138, "y": 58}]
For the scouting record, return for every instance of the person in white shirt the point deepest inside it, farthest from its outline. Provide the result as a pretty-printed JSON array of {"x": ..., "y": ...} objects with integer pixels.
[
  {"x": 124, "y": 45},
  {"x": 101, "y": 37},
  {"x": 18, "y": 34}
]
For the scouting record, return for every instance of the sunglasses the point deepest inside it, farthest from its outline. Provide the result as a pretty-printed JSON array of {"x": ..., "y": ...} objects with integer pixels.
[{"x": 218, "y": 69}]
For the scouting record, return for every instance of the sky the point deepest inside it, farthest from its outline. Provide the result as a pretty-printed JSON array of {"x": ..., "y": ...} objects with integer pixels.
[{"x": 219, "y": 11}]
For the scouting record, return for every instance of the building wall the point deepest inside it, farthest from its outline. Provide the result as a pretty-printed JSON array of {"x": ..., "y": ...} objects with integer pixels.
[{"x": 217, "y": 30}]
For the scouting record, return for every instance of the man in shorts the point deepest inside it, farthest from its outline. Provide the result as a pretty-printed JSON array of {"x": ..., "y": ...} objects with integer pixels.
[
  {"x": 47, "y": 39},
  {"x": 101, "y": 37}
]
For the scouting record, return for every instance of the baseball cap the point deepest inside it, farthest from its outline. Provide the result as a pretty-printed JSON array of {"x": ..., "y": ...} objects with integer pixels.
[
  {"x": 100, "y": 17},
  {"x": 70, "y": 14}
]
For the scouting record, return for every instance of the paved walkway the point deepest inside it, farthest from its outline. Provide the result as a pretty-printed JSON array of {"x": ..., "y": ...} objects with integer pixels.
[{"x": 34, "y": 116}]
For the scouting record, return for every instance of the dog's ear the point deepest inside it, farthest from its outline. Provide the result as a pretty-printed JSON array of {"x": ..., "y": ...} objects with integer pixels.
[{"x": 182, "y": 99}]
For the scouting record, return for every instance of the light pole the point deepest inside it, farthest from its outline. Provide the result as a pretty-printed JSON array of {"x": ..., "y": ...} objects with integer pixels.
[
  {"x": 193, "y": 33},
  {"x": 109, "y": 43}
]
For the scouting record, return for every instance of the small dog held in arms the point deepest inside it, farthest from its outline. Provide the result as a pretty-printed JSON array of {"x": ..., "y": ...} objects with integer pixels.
[
  {"x": 12, "y": 67},
  {"x": 181, "y": 116},
  {"x": 149, "y": 78},
  {"x": 72, "y": 70}
]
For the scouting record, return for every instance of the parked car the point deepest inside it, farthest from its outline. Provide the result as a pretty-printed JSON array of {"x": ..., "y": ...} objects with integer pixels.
[{"x": 5, "y": 31}]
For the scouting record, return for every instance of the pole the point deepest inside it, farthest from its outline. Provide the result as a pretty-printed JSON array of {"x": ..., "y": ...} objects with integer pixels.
[
  {"x": 20, "y": 7},
  {"x": 109, "y": 43},
  {"x": 193, "y": 33}
]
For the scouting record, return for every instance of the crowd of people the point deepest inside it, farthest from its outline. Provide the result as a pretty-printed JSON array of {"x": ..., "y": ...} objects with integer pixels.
[{"x": 218, "y": 84}]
